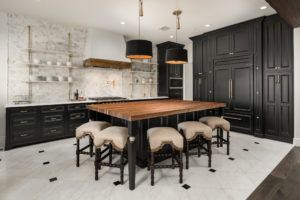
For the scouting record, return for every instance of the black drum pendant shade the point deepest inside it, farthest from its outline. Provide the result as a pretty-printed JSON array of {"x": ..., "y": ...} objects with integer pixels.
[
  {"x": 139, "y": 49},
  {"x": 176, "y": 56}
]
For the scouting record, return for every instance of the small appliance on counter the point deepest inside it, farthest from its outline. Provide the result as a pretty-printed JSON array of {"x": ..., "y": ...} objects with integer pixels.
[
  {"x": 21, "y": 99},
  {"x": 99, "y": 99}
]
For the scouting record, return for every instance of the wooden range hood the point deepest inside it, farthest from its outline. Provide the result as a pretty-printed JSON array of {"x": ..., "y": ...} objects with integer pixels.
[{"x": 102, "y": 63}]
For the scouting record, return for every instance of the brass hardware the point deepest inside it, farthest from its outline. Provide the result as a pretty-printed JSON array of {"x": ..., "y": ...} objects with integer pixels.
[
  {"x": 23, "y": 111},
  {"x": 23, "y": 122},
  {"x": 200, "y": 81},
  {"x": 278, "y": 79},
  {"x": 24, "y": 135}
]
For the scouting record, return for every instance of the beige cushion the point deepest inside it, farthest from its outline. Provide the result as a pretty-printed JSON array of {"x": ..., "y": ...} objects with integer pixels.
[
  {"x": 160, "y": 136},
  {"x": 216, "y": 122},
  {"x": 90, "y": 128},
  {"x": 192, "y": 129},
  {"x": 115, "y": 135}
]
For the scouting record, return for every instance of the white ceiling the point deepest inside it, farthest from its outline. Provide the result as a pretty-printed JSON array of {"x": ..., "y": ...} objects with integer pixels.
[{"x": 107, "y": 14}]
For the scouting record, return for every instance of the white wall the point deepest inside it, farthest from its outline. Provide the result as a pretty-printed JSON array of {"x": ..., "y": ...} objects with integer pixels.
[
  {"x": 3, "y": 74},
  {"x": 297, "y": 86},
  {"x": 105, "y": 45},
  {"x": 188, "y": 74}
]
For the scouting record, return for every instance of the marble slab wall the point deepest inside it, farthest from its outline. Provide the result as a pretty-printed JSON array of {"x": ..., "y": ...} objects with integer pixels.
[{"x": 53, "y": 36}]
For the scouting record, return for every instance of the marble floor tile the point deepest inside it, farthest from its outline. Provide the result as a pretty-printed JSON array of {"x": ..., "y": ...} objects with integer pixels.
[{"x": 24, "y": 176}]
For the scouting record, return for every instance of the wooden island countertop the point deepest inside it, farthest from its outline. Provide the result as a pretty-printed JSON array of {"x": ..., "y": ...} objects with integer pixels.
[{"x": 134, "y": 111}]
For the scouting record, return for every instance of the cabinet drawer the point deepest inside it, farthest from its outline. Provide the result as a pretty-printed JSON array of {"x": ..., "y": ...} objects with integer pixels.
[
  {"x": 23, "y": 121},
  {"x": 76, "y": 107},
  {"x": 72, "y": 128},
  {"x": 53, "y": 131},
  {"x": 53, "y": 118},
  {"x": 24, "y": 110},
  {"x": 20, "y": 136},
  {"x": 78, "y": 116},
  {"x": 50, "y": 109},
  {"x": 239, "y": 122}
]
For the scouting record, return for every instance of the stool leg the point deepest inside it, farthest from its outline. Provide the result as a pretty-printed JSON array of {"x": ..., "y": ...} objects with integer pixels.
[
  {"x": 96, "y": 164},
  {"x": 110, "y": 154},
  {"x": 122, "y": 168},
  {"x": 209, "y": 152},
  {"x": 199, "y": 147},
  {"x": 152, "y": 168},
  {"x": 77, "y": 152},
  {"x": 221, "y": 137},
  {"x": 91, "y": 146},
  {"x": 187, "y": 154},
  {"x": 173, "y": 161},
  {"x": 148, "y": 157},
  {"x": 218, "y": 137},
  {"x": 180, "y": 167},
  {"x": 228, "y": 143}
]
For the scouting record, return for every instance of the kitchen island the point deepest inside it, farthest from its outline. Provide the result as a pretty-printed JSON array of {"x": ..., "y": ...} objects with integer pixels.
[{"x": 142, "y": 115}]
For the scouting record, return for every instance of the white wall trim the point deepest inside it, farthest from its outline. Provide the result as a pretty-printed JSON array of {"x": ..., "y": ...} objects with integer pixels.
[{"x": 297, "y": 142}]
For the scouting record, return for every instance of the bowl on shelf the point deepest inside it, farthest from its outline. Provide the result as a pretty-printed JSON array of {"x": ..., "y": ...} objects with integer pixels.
[
  {"x": 49, "y": 62},
  {"x": 69, "y": 63},
  {"x": 58, "y": 63},
  {"x": 60, "y": 78},
  {"x": 36, "y": 61}
]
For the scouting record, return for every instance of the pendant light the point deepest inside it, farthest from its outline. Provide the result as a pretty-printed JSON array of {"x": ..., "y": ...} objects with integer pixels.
[
  {"x": 177, "y": 56},
  {"x": 139, "y": 49}
]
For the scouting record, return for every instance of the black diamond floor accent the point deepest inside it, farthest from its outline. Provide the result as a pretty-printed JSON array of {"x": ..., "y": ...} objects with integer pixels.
[
  {"x": 42, "y": 151},
  {"x": 245, "y": 149},
  {"x": 53, "y": 179},
  {"x": 256, "y": 142},
  {"x": 185, "y": 186},
  {"x": 212, "y": 170},
  {"x": 117, "y": 183},
  {"x": 46, "y": 163},
  {"x": 230, "y": 158},
  {"x": 0, "y": 159},
  {"x": 75, "y": 144}
]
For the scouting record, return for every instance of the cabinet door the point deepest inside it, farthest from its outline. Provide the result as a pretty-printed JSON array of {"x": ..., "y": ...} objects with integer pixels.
[
  {"x": 201, "y": 88},
  {"x": 285, "y": 105},
  {"x": 163, "y": 79},
  {"x": 278, "y": 44},
  {"x": 242, "y": 87},
  {"x": 196, "y": 88},
  {"x": 222, "y": 44},
  {"x": 175, "y": 70},
  {"x": 197, "y": 57},
  {"x": 270, "y": 108},
  {"x": 222, "y": 76},
  {"x": 242, "y": 41}
]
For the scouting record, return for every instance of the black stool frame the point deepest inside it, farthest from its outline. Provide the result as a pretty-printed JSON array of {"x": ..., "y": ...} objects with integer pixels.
[
  {"x": 221, "y": 140},
  {"x": 175, "y": 155},
  {"x": 82, "y": 150}
]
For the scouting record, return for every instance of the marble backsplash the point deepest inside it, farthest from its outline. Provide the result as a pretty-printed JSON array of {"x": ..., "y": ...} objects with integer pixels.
[{"x": 90, "y": 82}]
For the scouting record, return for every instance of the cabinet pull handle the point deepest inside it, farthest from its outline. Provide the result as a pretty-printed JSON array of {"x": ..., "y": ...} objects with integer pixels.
[
  {"x": 200, "y": 81},
  {"x": 229, "y": 88},
  {"x": 23, "y": 111},
  {"x": 234, "y": 118},
  {"x": 23, "y": 122},
  {"x": 278, "y": 79},
  {"x": 53, "y": 130},
  {"x": 53, "y": 118},
  {"x": 24, "y": 135},
  {"x": 200, "y": 73}
]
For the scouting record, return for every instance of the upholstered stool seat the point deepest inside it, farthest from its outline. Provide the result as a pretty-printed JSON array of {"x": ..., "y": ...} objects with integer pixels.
[
  {"x": 158, "y": 137},
  {"x": 221, "y": 125},
  {"x": 88, "y": 129},
  {"x": 195, "y": 135},
  {"x": 216, "y": 122},
  {"x": 192, "y": 129},
  {"x": 115, "y": 137}
]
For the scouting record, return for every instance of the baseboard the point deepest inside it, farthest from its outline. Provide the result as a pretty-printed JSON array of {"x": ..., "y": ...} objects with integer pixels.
[
  {"x": 2, "y": 142},
  {"x": 297, "y": 142}
]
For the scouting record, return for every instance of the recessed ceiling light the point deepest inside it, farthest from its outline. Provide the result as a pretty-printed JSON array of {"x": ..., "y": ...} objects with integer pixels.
[
  {"x": 207, "y": 25},
  {"x": 171, "y": 36},
  {"x": 122, "y": 23},
  {"x": 263, "y": 7}
]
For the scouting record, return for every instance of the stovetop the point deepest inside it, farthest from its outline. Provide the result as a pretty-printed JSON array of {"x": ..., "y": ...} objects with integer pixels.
[{"x": 107, "y": 98}]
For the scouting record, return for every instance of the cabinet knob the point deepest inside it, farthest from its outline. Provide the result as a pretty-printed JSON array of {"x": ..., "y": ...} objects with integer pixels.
[
  {"x": 257, "y": 117},
  {"x": 200, "y": 73},
  {"x": 231, "y": 53}
]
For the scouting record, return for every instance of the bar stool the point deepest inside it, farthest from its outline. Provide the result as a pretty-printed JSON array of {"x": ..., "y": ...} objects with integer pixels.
[
  {"x": 221, "y": 125},
  {"x": 116, "y": 137},
  {"x": 195, "y": 134},
  {"x": 157, "y": 139},
  {"x": 88, "y": 129}
]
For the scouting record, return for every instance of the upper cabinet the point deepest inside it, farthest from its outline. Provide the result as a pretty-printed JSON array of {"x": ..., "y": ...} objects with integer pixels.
[
  {"x": 236, "y": 41},
  {"x": 278, "y": 45}
]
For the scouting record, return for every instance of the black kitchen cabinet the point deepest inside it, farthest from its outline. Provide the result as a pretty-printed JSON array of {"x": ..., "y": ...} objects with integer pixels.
[
  {"x": 166, "y": 71},
  {"x": 235, "y": 41},
  {"x": 227, "y": 67},
  {"x": 31, "y": 125}
]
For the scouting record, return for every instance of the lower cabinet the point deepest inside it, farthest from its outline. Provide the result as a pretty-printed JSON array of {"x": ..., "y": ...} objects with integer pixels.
[
  {"x": 30, "y": 125},
  {"x": 239, "y": 122}
]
